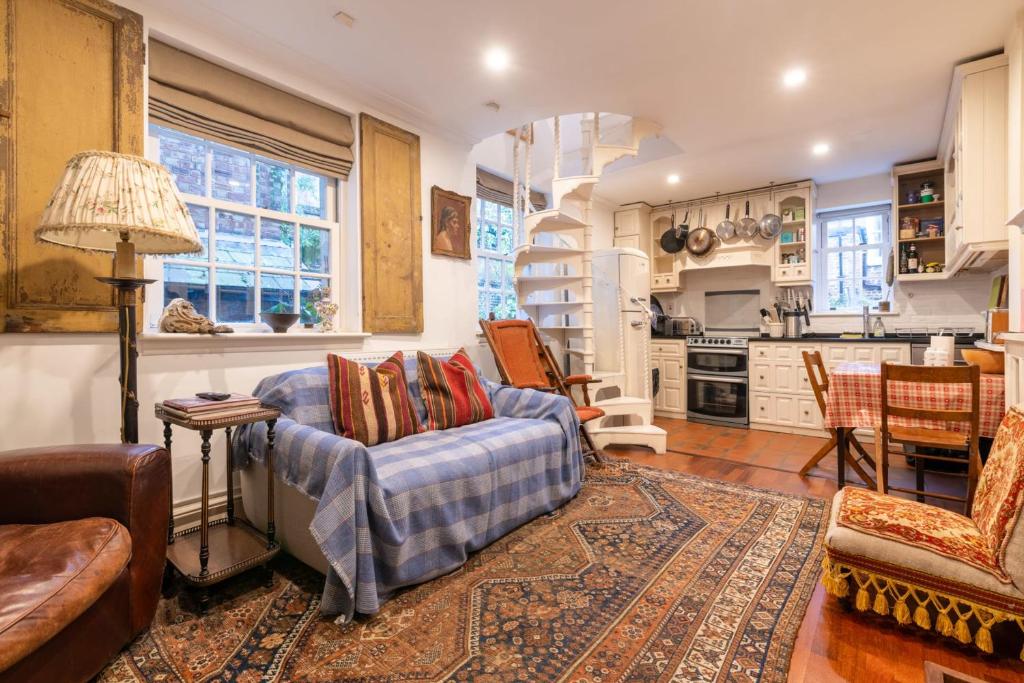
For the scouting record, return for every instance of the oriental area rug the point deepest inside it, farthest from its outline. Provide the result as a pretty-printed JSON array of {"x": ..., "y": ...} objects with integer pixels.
[{"x": 646, "y": 575}]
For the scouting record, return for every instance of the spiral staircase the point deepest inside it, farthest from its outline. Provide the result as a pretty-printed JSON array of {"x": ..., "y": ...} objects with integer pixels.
[{"x": 554, "y": 283}]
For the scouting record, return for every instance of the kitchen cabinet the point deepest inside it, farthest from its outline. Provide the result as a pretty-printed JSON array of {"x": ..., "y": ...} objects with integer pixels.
[
  {"x": 664, "y": 266},
  {"x": 1014, "y": 342},
  {"x": 781, "y": 396},
  {"x": 973, "y": 145},
  {"x": 627, "y": 242},
  {"x": 669, "y": 357},
  {"x": 632, "y": 227},
  {"x": 793, "y": 249}
]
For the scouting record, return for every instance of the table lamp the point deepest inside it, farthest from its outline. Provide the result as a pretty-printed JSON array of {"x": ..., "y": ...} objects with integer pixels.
[{"x": 127, "y": 205}]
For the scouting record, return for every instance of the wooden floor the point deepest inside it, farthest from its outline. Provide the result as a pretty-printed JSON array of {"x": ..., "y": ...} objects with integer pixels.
[{"x": 833, "y": 645}]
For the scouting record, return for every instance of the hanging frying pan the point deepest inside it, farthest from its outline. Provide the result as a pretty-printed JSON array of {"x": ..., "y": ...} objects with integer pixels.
[
  {"x": 673, "y": 240},
  {"x": 726, "y": 229},
  {"x": 771, "y": 224},
  {"x": 747, "y": 227},
  {"x": 700, "y": 241}
]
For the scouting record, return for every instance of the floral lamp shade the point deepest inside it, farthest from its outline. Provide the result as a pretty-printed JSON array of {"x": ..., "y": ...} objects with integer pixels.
[{"x": 105, "y": 198}]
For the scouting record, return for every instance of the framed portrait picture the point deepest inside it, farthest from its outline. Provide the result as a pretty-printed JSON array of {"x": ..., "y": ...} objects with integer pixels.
[{"x": 450, "y": 225}]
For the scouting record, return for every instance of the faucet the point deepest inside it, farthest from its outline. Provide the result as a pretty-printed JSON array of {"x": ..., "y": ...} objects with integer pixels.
[{"x": 867, "y": 323}]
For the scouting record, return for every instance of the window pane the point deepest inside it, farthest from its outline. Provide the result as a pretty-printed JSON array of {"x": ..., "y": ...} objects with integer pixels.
[
  {"x": 839, "y": 233},
  {"x": 494, "y": 304},
  {"x": 481, "y": 305},
  {"x": 201, "y": 217},
  {"x": 310, "y": 199},
  {"x": 277, "y": 244},
  {"x": 840, "y": 264},
  {"x": 191, "y": 283},
  {"x": 840, "y": 295},
  {"x": 315, "y": 250},
  {"x": 231, "y": 171},
  {"x": 236, "y": 296},
  {"x": 495, "y": 270},
  {"x": 870, "y": 264},
  {"x": 510, "y": 274},
  {"x": 236, "y": 238},
  {"x": 490, "y": 211},
  {"x": 481, "y": 272},
  {"x": 506, "y": 214},
  {"x": 277, "y": 289},
  {"x": 506, "y": 240},
  {"x": 869, "y": 229},
  {"x": 307, "y": 286},
  {"x": 510, "y": 306},
  {"x": 490, "y": 237},
  {"x": 185, "y": 157},
  {"x": 273, "y": 187}
]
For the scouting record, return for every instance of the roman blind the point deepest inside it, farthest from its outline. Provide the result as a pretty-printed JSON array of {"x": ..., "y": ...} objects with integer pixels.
[
  {"x": 199, "y": 97},
  {"x": 494, "y": 188}
]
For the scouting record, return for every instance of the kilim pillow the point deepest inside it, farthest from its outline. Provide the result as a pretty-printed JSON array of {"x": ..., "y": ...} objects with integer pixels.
[
  {"x": 452, "y": 392},
  {"x": 371, "y": 405}
]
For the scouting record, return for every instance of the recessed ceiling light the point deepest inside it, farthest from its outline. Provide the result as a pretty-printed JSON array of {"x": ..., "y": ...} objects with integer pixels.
[
  {"x": 497, "y": 59},
  {"x": 794, "y": 77},
  {"x": 820, "y": 149},
  {"x": 345, "y": 19},
  {"x": 672, "y": 178}
]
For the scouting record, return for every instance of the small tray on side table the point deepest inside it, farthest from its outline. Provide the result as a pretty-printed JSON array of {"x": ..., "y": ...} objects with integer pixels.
[{"x": 237, "y": 545}]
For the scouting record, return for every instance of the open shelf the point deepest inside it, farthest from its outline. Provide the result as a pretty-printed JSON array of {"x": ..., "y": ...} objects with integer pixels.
[
  {"x": 940, "y": 238},
  {"x": 919, "y": 205},
  {"x": 911, "y": 277}
]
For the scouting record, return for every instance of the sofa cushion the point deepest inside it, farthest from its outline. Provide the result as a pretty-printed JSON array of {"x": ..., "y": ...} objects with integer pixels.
[
  {"x": 371, "y": 405},
  {"x": 50, "y": 574},
  {"x": 917, "y": 525},
  {"x": 452, "y": 391},
  {"x": 1000, "y": 496},
  {"x": 945, "y": 569}
]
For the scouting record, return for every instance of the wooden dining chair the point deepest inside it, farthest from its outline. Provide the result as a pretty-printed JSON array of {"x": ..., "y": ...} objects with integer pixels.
[
  {"x": 889, "y": 432},
  {"x": 525, "y": 362},
  {"x": 818, "y": 377}
]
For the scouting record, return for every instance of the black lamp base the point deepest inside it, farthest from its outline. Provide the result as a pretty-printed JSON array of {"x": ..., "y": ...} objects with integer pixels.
[{"x": 129, "y": 353}]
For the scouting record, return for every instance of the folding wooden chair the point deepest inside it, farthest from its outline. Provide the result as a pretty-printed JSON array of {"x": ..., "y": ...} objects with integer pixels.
[
  {"x": 818, "y": 376},
  {"x": 525, "y": 362},
  {"x": 888, "y": 432}
]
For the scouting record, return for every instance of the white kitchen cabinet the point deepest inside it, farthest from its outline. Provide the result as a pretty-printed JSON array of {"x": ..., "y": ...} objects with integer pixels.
[
  {"x": 793, "y": 250},
  {"x": 973, "y": 145},
  {"x": 633, "y": 219},
  {"x": 781, "y": 397},
  {"x": 669, "y": 357},
  {"x": 627, "y": 241},
  {"x": 1014, "y": 342}
]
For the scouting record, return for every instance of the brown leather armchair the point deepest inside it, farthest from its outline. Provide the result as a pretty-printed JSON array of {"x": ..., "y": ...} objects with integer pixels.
[{"x": 83, "y": 536}]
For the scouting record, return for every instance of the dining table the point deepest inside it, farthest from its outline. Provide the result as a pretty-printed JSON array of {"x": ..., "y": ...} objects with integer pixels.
[{"x": 854, "y": 401}]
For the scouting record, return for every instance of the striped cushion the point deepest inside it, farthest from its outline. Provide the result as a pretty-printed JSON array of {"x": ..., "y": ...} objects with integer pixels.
[
  {"x": 452, "y": 392},
  {"x": 371, "y": 405}
]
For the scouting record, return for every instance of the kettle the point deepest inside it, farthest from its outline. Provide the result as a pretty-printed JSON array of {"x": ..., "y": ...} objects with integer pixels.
[{"x": 793, "y": 321}]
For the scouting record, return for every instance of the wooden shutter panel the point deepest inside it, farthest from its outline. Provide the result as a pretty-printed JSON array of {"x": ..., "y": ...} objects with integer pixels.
[
  {"x": 389, "y": 177},
  {"x": 70, "y": 80}
]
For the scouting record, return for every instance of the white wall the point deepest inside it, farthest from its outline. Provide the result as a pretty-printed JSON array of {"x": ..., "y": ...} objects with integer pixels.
[
  {"x": 869, "y": 189},
  {"x": 63, "y": 388}
]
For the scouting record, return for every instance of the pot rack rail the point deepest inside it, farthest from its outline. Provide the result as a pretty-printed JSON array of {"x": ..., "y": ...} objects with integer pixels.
[{"x": 718, "y": 197}]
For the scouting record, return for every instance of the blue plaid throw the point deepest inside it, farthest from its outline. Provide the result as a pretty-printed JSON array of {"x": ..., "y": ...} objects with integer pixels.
[{"x": 403, "y": 512}]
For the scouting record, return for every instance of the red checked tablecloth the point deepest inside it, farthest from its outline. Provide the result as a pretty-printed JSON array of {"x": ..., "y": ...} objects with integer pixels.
[{"x": 855, "y": 399}]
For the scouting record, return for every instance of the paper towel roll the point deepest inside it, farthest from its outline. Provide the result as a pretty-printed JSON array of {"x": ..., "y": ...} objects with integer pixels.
[{"x": 944, "y": 343}]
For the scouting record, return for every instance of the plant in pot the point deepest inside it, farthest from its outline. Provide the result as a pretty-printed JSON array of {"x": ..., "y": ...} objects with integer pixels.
[{"x": 279, "y": 317}]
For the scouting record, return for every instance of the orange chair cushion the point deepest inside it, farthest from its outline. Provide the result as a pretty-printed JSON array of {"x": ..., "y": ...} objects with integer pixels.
[
  {"x": 519, "y": 353},
  {"x": 918, "y": 525},
  {"x": 1000, "y": 493},
  {"x": 578, "y": 379},
  {"x": 586, "y": 413}
]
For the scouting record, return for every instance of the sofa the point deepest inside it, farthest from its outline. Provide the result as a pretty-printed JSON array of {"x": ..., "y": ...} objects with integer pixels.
[
  {"x": 376, "y": 519},
  {"x": 961, "y": 577},
  {"x": 83, "y": 533}
]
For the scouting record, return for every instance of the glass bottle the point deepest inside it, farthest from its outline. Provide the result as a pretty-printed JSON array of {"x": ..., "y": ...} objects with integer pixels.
[
  {"x": 904, "y": 267},
  {"x": 878, "y": 329},
  {"x": 912, "y": 260}
]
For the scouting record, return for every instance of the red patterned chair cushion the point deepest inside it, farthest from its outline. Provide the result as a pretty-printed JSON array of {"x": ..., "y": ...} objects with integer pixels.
[
  {"x": 371, "y": 405},
  {"x": 452, "y": 392},
  {"x": 1000, "y": 492},
  {"x": 915, "y": 524}
]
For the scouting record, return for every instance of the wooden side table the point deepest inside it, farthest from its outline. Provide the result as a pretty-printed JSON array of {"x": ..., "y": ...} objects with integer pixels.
[{"x": 237, "y": 545}]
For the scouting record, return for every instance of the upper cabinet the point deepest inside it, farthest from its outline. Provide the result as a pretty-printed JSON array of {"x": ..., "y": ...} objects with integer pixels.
[
  {"x": 973, "y": 148},
  {"x": 632, "y": 227},
  {"x": 793, "y": 247}
]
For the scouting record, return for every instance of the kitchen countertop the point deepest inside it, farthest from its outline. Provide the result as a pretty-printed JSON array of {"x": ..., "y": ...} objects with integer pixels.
[{"x": 887, "y": 339}]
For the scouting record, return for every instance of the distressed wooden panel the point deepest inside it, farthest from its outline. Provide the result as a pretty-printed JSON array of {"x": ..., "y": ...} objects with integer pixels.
[
  {"x": 392, "y": 227},
  {"x": 72, "y": 81}
]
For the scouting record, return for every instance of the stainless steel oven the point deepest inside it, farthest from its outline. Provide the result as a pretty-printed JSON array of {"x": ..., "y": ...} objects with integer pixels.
[{"x": 716, "y": 380}]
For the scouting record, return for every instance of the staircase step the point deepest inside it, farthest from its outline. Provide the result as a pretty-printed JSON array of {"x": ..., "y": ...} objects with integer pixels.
[
  {"x": 573, "y": 187},
  {"x": 631, "y": 435},
  {"x": 621, "y": 401},
  {"x": 554, "y": 304},
  {"x": 553, "y": 220}
]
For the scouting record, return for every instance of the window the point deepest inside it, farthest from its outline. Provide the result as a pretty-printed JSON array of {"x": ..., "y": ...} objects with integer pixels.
[
  {"x": 494, "y": 262},
  {"x": 855, "y": 246},
  {"x": 269, "y": 232}
]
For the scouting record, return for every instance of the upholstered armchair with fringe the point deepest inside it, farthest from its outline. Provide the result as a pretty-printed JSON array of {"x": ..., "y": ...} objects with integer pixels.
[{"x": 962, "y": 577}]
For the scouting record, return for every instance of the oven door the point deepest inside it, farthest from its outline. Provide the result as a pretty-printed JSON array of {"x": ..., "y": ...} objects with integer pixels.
[
  {"x": 716, "y": 399},
  {"x": 729, "y": 362}
]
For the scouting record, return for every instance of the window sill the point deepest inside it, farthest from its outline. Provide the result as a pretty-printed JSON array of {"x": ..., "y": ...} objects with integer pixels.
[
  {"x": 167, "y": 344},
  {"x": 852, "y": 314}
]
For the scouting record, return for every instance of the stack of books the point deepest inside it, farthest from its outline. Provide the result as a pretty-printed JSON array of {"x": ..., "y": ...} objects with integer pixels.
[{"x": 196, "y": 408}]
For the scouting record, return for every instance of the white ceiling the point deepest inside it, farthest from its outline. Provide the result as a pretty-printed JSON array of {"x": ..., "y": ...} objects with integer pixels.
[{"x": 708, "y": 71}]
